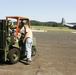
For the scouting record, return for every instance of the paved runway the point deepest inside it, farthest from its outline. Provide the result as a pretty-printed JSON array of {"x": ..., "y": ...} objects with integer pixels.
[
  {"x": 57, "y": 52},
  {"x": 56, "y": 55}
]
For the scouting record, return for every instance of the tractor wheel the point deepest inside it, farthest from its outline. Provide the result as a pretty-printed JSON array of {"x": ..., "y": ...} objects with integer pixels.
[
  {"x": 33, "y": 50},
  {"x": 14, "y": 55}
]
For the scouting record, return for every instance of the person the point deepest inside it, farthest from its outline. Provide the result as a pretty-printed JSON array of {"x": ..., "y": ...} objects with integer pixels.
[
  {"x": 10, "y": 33},
  {"x": 28, "y": 42},
  {"x": 9, "y": 30}
]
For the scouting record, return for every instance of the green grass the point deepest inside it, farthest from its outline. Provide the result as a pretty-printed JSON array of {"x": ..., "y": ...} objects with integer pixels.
[{"x": 53, "y": 28}]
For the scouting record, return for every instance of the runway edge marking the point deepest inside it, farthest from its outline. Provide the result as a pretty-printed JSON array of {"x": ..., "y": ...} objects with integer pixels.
[
  {"x": 39, "y": 30},
  {"x": 73, "y": 32}
]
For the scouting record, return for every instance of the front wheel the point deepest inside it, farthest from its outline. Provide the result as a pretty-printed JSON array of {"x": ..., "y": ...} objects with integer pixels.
[
  {"x": 33, "y": 50},
  {"x": 14, "y": 55}
]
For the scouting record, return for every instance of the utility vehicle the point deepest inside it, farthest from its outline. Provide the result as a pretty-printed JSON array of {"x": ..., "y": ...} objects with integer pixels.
[{"x": 11, "y": 47}]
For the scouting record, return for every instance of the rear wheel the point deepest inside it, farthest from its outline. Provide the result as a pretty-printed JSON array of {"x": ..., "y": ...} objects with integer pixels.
[
  {"x": 14, "y": 55},
  {"x": 33, "y": 50}
]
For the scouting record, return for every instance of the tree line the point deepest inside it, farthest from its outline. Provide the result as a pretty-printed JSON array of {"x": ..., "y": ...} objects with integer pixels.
[{"x": 38, "y": 23}]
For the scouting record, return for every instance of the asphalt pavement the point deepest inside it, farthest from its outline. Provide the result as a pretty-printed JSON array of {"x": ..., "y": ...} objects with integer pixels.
[{"x": 56, "y": 55}]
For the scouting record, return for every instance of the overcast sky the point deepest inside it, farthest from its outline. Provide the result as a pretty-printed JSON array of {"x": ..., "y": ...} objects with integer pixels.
[{"x": 40, "y": 10}]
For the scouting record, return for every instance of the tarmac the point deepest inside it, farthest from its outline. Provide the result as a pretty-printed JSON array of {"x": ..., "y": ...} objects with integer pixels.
[{"x": 56, "y": 55}]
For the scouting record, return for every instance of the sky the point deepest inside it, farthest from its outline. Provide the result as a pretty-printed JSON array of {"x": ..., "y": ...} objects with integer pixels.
[{"x": 40, "y": 10}]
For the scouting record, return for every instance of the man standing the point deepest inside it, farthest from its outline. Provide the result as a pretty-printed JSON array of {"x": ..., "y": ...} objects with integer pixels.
[{"x": 28, "y": 42}]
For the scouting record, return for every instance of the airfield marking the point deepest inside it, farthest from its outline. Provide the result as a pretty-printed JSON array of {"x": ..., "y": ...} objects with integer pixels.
[
  {"x": 73, "y": 32},
  {"x": 39, "y": 30}
]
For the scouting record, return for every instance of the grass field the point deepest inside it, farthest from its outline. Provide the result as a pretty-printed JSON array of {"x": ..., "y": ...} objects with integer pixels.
[{"x": 52, "y": 28}]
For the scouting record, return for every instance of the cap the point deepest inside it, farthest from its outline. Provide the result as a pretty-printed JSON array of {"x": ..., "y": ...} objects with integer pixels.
[{"x": 24, "y": 21}]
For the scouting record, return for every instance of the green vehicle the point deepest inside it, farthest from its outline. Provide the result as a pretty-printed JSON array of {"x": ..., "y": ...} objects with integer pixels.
[{"x": 11, "y": 47}]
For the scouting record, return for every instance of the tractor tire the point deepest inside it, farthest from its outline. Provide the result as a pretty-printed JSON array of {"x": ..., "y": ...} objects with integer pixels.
[
  {"x": 14, "y": 55},
  {"x": 33, "y": 50}
]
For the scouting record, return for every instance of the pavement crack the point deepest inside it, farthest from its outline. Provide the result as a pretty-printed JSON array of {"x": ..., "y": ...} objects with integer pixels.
[{"x": 38, "y": 66}]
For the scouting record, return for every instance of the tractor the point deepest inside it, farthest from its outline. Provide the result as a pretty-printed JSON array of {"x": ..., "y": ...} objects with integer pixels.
[{"x": 12, "y": 48}]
